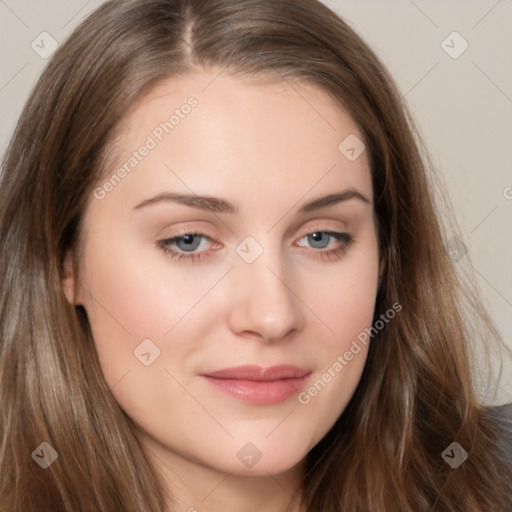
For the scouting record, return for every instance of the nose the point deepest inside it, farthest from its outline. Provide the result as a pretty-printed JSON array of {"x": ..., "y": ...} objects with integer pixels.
[{"x": 263, "y": 304}]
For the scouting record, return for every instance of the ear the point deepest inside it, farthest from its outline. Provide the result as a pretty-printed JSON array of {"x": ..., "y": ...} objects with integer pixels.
[
  {"x": 68, "y": 277},
  {"x": 382, "y": 268}
]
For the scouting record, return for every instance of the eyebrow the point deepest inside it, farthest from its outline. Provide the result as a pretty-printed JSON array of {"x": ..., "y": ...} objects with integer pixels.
[{"x": 218, "y": 205}]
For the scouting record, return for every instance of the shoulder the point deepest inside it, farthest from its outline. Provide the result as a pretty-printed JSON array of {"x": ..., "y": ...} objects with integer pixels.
[
  {"x": 502, "y": 415},
  {"x": 503, "y": 411}
]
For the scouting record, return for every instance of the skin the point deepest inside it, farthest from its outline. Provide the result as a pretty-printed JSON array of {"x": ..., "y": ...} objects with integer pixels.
[{"x": 269, "y": 148}]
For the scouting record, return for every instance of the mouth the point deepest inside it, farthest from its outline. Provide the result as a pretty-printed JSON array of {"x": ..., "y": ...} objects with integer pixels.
[{"x": 258, "y": 385}]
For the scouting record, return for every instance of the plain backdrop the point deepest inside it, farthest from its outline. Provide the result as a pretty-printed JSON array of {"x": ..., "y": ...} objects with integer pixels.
[{"x": 452, "y": 60}]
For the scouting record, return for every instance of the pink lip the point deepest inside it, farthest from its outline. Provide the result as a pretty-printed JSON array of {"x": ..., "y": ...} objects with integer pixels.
[{"x": 257, "y": 385}]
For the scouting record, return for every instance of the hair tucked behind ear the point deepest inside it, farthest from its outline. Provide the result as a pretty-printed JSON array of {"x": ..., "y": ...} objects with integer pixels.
[{"x": 417, "y": 394}]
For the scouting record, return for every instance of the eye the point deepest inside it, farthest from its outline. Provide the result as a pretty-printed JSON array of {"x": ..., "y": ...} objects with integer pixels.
[
  {"x": 187, "y": 245},
  {"x": 335, "y": 242}
]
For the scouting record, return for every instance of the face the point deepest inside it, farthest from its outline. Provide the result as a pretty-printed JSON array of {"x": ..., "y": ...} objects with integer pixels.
[{"x": 229, "y": 261}]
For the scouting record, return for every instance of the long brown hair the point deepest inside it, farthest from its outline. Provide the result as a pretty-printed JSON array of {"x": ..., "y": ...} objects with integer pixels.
[{"x": 417, "y": 394}]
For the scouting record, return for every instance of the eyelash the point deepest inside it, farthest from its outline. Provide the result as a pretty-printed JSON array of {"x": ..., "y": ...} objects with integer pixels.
[{"x": 345, "y": 239}]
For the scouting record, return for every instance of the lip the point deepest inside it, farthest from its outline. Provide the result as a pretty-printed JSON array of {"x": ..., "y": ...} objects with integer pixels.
[{"x": 259, "y": 385}]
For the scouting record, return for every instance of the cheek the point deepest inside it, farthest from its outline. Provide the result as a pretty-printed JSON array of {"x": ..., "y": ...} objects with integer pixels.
[
  {"x": 137, "y": 294},
  {"x": 343, "y": 297},
  {"x": 344, "y": 300}
]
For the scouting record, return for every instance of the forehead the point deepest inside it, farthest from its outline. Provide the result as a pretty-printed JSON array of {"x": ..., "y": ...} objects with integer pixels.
[{"x": 205, "y": 131}]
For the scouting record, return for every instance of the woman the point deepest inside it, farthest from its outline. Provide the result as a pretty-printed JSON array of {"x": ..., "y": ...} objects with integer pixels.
[{"x": 224, "y": 278}]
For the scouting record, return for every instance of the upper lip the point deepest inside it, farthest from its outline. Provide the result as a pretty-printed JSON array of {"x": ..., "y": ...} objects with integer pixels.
[{"x": 259, "y": 373}]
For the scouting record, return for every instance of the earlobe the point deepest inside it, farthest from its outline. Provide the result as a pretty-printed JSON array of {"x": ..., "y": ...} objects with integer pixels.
[
  {"x": 68, "y": 277},
  {"x": 382, "y": 268}
]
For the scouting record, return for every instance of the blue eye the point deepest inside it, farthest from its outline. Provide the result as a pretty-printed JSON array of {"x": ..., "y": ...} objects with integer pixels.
[
  {"x": 319, "y": 240},
  {"x": 187, "y": 245},
  {"x": 322, "y": 239},
  {"x": 192, "y": 247}
]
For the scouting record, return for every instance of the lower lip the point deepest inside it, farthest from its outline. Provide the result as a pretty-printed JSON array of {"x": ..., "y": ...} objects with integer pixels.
[{"x": 259, "y": 392}]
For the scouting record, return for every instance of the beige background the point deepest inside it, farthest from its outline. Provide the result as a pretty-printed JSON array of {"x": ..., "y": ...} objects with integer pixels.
[{"x": 463, "y": 105}]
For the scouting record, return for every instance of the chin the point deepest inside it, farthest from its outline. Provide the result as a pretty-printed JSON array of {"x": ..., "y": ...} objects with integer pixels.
[{"x": 249, "y": 462}]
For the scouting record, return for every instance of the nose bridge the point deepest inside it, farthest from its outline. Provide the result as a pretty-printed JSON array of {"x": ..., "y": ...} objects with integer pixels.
[{"x": 264, "y": 302}]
